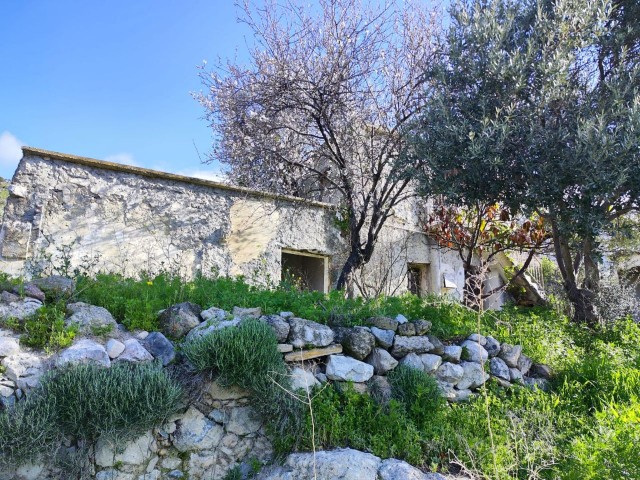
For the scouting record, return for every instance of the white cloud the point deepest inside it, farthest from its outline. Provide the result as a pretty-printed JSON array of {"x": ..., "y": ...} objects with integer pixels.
[
  {"x": 10, "y": 151},
  {"x": 212, "y": 175},
  {"x": 124, "y": 158}
]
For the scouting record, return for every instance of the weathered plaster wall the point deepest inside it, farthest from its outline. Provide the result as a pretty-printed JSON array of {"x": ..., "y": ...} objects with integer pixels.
[{"x": 128, "y": 220}]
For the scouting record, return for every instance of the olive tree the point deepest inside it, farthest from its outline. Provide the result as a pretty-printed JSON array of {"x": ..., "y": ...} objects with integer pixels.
[
  {"x": 536, "y": 105},
  {"x": 320, "y": 108}
]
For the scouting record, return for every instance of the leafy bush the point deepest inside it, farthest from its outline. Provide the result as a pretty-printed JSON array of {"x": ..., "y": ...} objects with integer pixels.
[
  {"x": 122, "y": 401},
  {"x": 418, "y": 392},
  {"x": 46, "y": 329}
]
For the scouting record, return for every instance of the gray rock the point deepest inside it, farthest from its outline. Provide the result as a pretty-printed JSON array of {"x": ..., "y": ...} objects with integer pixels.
[
  {"x": 476, "y": 337},
  {"x": 134, "y": 352},
  {"x": 177, "y": 320},
  {"x": 381, "y": 361},
  {"x": 412, "y": 360},
  {"x": 537, "y": 383},
  {"x": 340, "y": 464},
  {"x": 384, "y": 338},
  {"x": 141, "y": 335},
  {"x": 541, "y": 371},
  {"x": 438, "y": 346},
  {"x": 286, "y": 315},
  {"x": 209, "y": 326},
  {"x": 114, "y": 348},
  {"x": 449, "y": 373},
  {"x": 24, "y": 369},
  {"x": 447, "y": 390},
  {"x": 196, "y": 432},
  {"x": 247, "y": 312},
  {"x": 430, "y": 362},
  {"x": 31, "y": 290},
  {"x": 461, "y": 395},
  {"x": 503, "y": 383},
  {"x": 422, "y": 326},
  {"x": 279, "y": 325},
  {"x": 474, "y": 352},
  {"x": 133, "y": 452},
  {"x": 406, "y": 329},
  {"x": 359, "y": 342},
  {"x": 404, "y": 345},
  {"x": 499, "y": 369},
  {"x": 9, "y": 346},
  {"x": 213, "y": 313},
  {"x": 305, "y": 333},
  {"x": 6, "y": 391},
  {"x": 383, "y": 323},
  {"x": 8, "y": 297},
  {"x": 56, "y": 286},
  {"x": 20, "y": 310},
  {"x": 380, "y": 388},
  {"x": 516, "y": 376},
  {"x": 84, "y": 351},
  {"x": 473, "y": 377},
  {"x": 492, "y": 347},
  {"x": 158, "y": 346},
  {"x": 510, "y": 354},
  {"x": 393, "y": 469},
  {"x": 348, "y": 369},
  {"x": 524, "y": 364},
  {"x": 89, "y": 319},
  {"x": 243, "y": 421},
  {"x": 302, "y": 379},
  {"x": 452, "y": 353},
  {"x": 401, "y": 318}
]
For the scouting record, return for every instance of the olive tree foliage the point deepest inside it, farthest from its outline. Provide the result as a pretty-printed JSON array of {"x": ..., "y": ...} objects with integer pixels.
[
  {"x": 320, "y": 109},
  {"x": 535, "y": 104}
]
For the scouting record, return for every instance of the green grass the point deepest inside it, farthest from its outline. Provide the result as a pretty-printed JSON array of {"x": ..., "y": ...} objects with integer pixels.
[{"x": 45, "y": 329}]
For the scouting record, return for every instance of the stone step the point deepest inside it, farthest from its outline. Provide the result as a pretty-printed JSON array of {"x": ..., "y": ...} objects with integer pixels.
[{"x": 300, "y": 356}]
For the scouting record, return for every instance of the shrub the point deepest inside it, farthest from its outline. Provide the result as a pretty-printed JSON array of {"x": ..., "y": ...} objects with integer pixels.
[
  {"x": 46, "y": 329},
  {"x": 27, "y": 432},
  {"x": 418, "y": 392},
  {"x": 121, "y": 402}
]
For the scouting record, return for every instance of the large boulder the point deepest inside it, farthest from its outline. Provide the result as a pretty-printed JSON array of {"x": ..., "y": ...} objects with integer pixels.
[
  {"x": 383, "y": 323},
  {"x": 20, "y": 310},
  {"x": 347, "y": 369},
  {"x": 381, "y": 361},
  {"x": 524, "y": 364},
  {"x": 412, "y": 360},
  {"x": 438, "y": 346},
  {"x": 89, "y": 319},
  {"x": 177, "y": 320},
  {"x": 422, "y": 327},
  {"x": 492, "y": 347},
  {"x": 449, "y": 373},
  {"x": 134, "y": 352},
  {"x": 393, "y": 469},
  {"x": 405, "y": 345},
  {"x": 213, "y": 313},
  {"x": 56, "y": 286},
  {"x": 452, "y": 353},
  {"x": 160, "y": 347},
  {"x": 473, "y": 376},
  {"x": 510, "y": 354},
  {"x": 279, "y": 326},
  {"x": 341, "y": 464},
  {"x": 384, "y": 338},
  {"x": 305, "y": 333},
  {"x": 359, "y": 342},
  {"x": 302, "y": 379},
  {"x": 430, "y": 362},
  {"x": 474, "y": 352},
  {"x": 84, "y": 351},
  {"x": 499, "y": 369}
]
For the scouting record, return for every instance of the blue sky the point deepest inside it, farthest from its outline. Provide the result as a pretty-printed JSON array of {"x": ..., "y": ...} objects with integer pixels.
[{"x": 111, "y": 79}]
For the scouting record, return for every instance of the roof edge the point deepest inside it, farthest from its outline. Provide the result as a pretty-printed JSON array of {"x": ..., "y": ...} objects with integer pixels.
[{"x": 147, "y": 172}]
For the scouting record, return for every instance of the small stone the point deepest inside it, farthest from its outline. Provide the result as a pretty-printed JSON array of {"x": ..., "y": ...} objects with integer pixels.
[
  {"x": 540, "y": 370},
  {"x": 348, "y": 369},
  {"x": 503, "y": 383},
  {"x": 175, "y": 474},
  {"x": 381, "y": 361},
  {"x": 141, "y": 335},
  {"x": 8, "y": 297},
  {"x": 422, "y": 326},
  {"x": 462, "y": 395},
  {"x": 449, "y": 372},
  {"x": 285, "y": 348},
  {"x": 438, "y": 346},
  {"x": 452, "y": 353},
  {"x": 476, "y": 337},
  {"x": 498, "y": 368},
  {"x": 430, "y": 362},
  {"x": 474, "y": 376},
  {"x": 158, "y": 346},
  {"x": 401, "y": 319},
  {"x": 134, "y": 352},
  {"x": 255, "y": 312},
  {"x": 114, "y": 348},
  {"x": 5, "y": 391},
  {"x": 217, "y": 416},
  {"x": 383, "y": 323},
  {"x": 384, "y": 338},
  {"x": 305, "y": 333},
  {"x": 177, "y": 320},
  {"x": 321, "y": 377},
  {"x": 492, "y": 347},
  {"x": 473, "y": 352},
  {"x": 279, "y": 325},
  {"x": 359, "y": 342},
  {"x": 84, "y": 351},
  {"x": 171, "y": 463},
  {"x": 403, "y": 345},
  {"x": 286, "y": 315},
  {"x": 214, "y": 314},
  {"x": 412, "y": 360},
  {"x": 196, "y": 432},
  {"x": 31, "y": 290},
  {"x": 524, "y": 364},
  {"x": 9, "y": 346},
  {"x": 243, "y": 421},
  {"x": 302, "y": 379},
  {"x": 516, "y": 376},
  {"x": 510, "y": 354},
  {"x": 407, "y": 329}
]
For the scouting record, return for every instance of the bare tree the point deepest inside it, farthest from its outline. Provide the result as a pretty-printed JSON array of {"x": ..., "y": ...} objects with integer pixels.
[{"x": 320, "y": 110}]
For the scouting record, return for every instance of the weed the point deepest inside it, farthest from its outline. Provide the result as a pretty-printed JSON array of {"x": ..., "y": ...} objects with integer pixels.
[{"x": 46, "y": 329}]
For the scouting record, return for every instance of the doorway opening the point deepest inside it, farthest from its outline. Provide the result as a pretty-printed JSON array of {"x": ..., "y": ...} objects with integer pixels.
[
  {"x": 308, "y": 271},
  {"x": 418, "y": 278}
]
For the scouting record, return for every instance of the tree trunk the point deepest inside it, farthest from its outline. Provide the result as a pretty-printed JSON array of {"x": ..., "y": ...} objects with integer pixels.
[{"x": 354, "y": 261}]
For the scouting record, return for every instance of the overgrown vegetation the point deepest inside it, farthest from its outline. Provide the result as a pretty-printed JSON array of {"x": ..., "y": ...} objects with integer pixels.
[{"x": 85, "y": 402}]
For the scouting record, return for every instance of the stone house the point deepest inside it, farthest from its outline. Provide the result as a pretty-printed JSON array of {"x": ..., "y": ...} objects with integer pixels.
[{"x": 91, "y": 215}]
